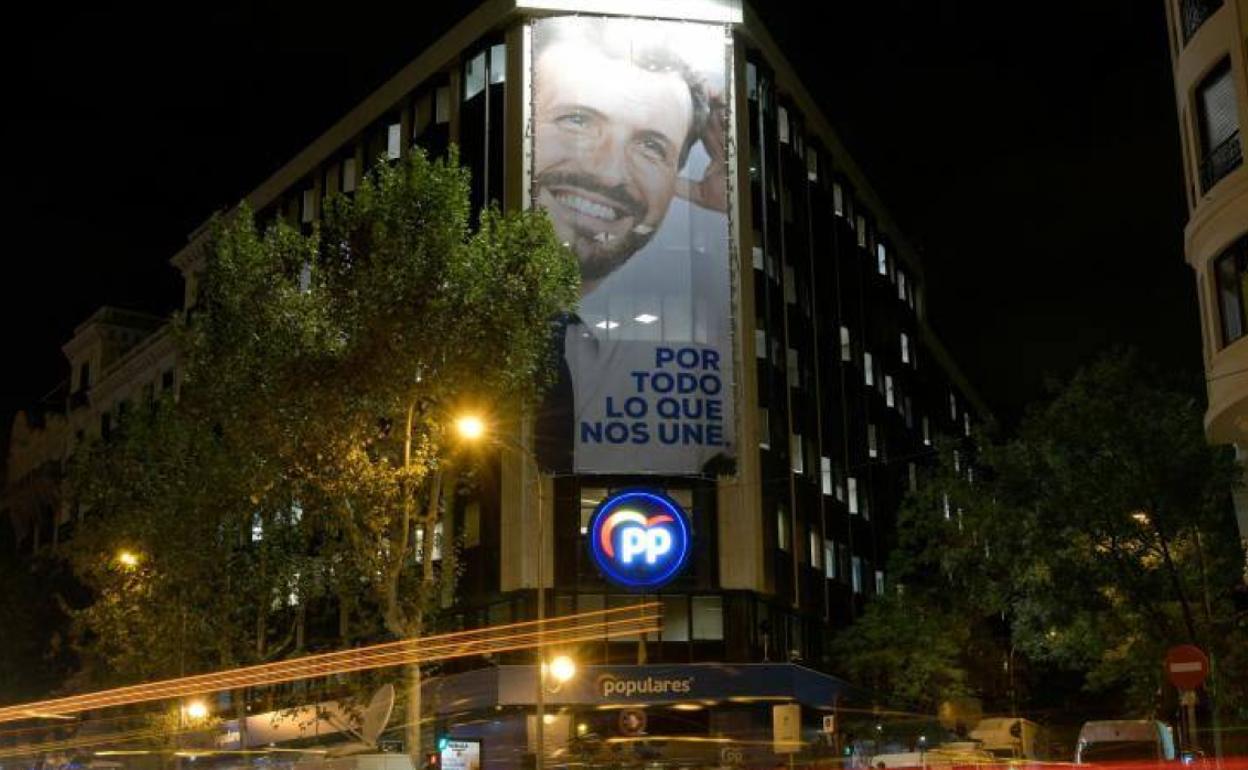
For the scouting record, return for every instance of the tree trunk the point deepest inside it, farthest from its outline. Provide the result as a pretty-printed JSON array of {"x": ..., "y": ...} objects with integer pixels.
[{"x": 414, "y": 732}]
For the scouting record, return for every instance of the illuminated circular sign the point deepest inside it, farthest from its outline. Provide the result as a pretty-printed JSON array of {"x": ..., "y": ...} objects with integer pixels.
[{"x": 639, "y": 538}]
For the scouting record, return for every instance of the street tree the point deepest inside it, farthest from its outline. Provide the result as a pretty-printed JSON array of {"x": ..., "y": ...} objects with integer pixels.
[{"x": 308, "y": 464}]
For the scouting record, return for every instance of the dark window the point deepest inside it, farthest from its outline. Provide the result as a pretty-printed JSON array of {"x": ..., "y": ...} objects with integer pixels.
[
  {"x": 84, "y": 375},
  {"x": 1221, "y": 152},
  {"x": 1194, "y": 13},
  {"x": 166, "y": 380},
  {"x": 1231, "y": 270}
]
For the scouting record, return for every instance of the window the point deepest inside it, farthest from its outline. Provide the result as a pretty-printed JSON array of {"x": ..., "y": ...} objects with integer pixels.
[
  {"x": 853, "y": 494},
  {"x": 474, "y": 76},
  {"x": 757, "y": 255},
  {"x": 966, "y": 423},
  {"x": 901, "y": 286},
  {"x": 873, "y": 449},
  {"x": 912, "y": 472},
  {"x": 812, "y": 165},
  {"x": 442, "y": 105},
  {"x": 856, "y": 574},
  {"x": 751, "y": 81},
  {"x": 879, "y": 582},
  {"x": 472, "y": 525},
  {"x": 825, "y": 475},
  {"x": 1231, "y": 276},
  {"x": 795, "y": 453},
  {"x": 794, "y": 368},
  {"x": 166, "y": 380},
  {"x": 847, "y": 351},
  {"x": 890, "y": 395},
  {"x": 861, "y": 222},
  {"x": 590, "y": 498},
  {"x": 927, "y": 432},
  {"x": 905, "y": 348},
  {"x": 881, "y": 259},
  {"x": 907, "y": 409},
  {"x": 394, "y": 140},
  {"x": 782, "y": 527},
  {"x": 953, "y": 407},
  {"x": 675, "y": 619},
  {"x": 348, "y": 175},
  {"x": 84, "y": 375},
  {"x": 498, "y": 63},
  {"x": 1218, "y": 116},
  {"x": 790, "y": 285},
  {"x": 1194, "y": 13},
  {"x": 839, "y": 478},
  {"x": 307, "y": 206},
  {"x": 760, "y": 343},
  {"x": 782, "y": 121},
  {"x": 868, "y": 369},
  {"x": 838, "y": 199},
  {"x": 816, "y": 549},
  {"x": 764, "y": 429},
  {"x": 829, "y": 559},
  {"x": 708, "y": 618},
  {"x": 944, "y": 498}
]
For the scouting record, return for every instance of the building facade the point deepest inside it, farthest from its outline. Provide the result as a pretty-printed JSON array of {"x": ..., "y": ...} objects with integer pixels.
[
  {"x": 786, "y": 297},
  {"x": 1208, "y": 47}
]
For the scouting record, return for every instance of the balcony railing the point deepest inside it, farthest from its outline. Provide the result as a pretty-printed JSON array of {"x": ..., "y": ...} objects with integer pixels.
[
  {"x": 1195, "y": 13},
  {"x": 1220, "y": 161}
]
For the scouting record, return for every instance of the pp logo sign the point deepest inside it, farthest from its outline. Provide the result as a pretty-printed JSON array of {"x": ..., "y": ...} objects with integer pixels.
[{"x": 639, "y": 538}]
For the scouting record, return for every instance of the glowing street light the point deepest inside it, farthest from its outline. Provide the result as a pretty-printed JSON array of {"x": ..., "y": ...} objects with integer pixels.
[
  {"x": 128, "y": 559},
  {"x": 562, "y": 668},
  {"x": 470, "y": 427},
  {"x": 196, "y": 709}
]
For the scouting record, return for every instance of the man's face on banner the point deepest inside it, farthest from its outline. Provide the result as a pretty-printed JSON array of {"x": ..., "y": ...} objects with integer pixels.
[{"x": 608, "y": 140}]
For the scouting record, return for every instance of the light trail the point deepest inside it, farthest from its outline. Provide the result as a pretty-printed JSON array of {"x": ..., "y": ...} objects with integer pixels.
[{"x": 565, "y": 629}]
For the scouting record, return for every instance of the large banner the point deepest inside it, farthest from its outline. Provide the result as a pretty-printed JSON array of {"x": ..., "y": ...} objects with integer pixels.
[{"x": 629, "y": 158}]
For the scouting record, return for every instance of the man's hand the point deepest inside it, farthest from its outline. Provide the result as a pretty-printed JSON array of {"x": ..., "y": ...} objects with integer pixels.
[{"x": 711, "y": 191}]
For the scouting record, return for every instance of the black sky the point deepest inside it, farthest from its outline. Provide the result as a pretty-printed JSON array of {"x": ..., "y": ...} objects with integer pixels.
[{"x": 1030, "y": 150}]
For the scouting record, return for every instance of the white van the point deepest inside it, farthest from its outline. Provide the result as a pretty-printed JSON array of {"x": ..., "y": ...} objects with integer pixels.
[{"x": 1124, "y": 740}]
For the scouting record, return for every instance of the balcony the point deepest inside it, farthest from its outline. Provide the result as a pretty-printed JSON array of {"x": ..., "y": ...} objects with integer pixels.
[
  {"x": 1194, "y": 13},
  {"x": 1220, "y": 161}
]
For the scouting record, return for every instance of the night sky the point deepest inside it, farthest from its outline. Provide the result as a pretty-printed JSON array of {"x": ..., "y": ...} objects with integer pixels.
[{"x": 1030, "y": 152}]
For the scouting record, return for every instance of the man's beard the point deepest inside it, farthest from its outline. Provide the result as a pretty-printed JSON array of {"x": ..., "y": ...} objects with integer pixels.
[{"x": 600, "y": 253}]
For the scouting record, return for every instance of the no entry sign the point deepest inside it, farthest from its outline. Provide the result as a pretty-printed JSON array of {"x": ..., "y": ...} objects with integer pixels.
[{"x": 1186, "y": 666}]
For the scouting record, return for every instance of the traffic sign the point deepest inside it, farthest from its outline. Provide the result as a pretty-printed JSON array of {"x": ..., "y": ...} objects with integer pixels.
[
  {"x": 632, "y": 721},
  {"x": 1186, "y": 666}
]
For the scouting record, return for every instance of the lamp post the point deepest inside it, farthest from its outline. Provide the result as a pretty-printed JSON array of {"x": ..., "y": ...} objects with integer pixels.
[{"x": 473, "y": 428}]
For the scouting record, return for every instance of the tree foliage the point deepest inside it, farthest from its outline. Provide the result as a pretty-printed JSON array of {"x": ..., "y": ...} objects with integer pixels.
[
  {"x": 1098, "y": 536},
  {"x": 307, "y": 458}
]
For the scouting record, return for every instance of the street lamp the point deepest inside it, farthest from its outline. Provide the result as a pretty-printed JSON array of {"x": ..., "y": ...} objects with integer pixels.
[
  {"x": 127, "y": 559},
  {"x": 562, "y": 668},
  {"x": 196, "y": 709},
  {"x": 472, "y": 428}
]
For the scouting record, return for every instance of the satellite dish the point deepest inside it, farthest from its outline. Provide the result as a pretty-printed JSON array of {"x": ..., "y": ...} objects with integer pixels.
[
  {"x": 372, "y": 722},
  {"x": 377, "y": 714}
]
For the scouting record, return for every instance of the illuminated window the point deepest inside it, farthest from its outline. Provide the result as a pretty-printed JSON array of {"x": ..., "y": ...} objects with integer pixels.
[
  {"x": 881, "y": 259},
  {"x": 879, "y": 582},
  {"x": 590, "y": 498},
  {"x": 853, "y": 494},
  {"x": 348, "y": 175},
  {"x": 764, "y": 429},
  {"x": 901, "y": 286},
  {"x": 474, "y": 76},
  {"x": 825, "y": 475},
  {"x": 966, "y": 423},
  {"x": 394, "y": 140},
  {"x": 927, "y": 432},
  {"x": 782, "y": 527},
  {"x": 812, "y": 165},
  {"x": 816, "y": 550},
  {"x": 890, "y": 396},
  {"x": 708, "y": 618},
  {"x": 847, "y": 351},
  {"x": 953, "y": 407},
  {"x": 498, "y": 63},
  {"x": 760, "y": 343},
  {"x": 856, "y": 574},
  {"x": 944, "y": 498},
  {"x": 442, "y": 104},
  {"x": 868, "y": 369},
  {"x": 829, "y": 559},
  {"x": 861, "y": 222},
  {"x": 838, "y": 199},
  {"x": 905, "y": 348},
  {"x": 675, "y": 619},
  {"x": 782, "y": 121},
  {"x": 796, "y": 457},
  {"x": 307, "y": 206},
  {"x": 757, "y": 255},
  {"x": 873, "y": 449}
]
